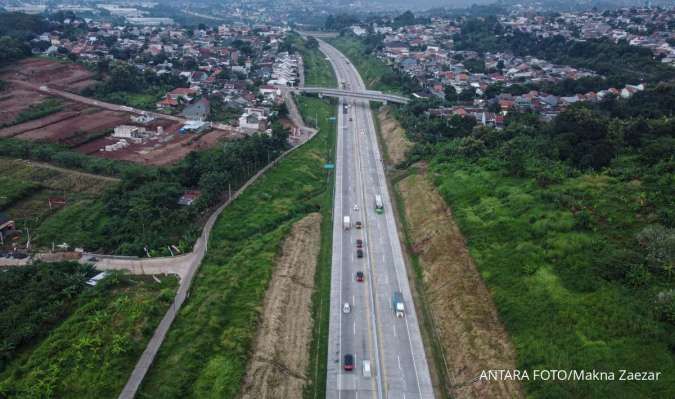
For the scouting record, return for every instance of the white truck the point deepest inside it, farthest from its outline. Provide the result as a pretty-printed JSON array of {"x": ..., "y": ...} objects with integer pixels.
[
  {"x": 346, "y": 222},
  {"x": 397, "y": 304}
]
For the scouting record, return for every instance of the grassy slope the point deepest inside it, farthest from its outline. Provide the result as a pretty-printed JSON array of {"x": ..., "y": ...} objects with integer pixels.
[
  {"x": 369, "y": 66},
  {"x": 206, "y": 351},
  {"x": 92, "y": 352},
  {"x": 533, "y": 258},
  {"x": 36, "y": 111},
  {"x": 318, "y": 71}
]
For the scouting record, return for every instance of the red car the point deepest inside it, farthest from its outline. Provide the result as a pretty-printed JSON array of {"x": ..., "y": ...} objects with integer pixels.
[
  {"x": 349, "y": 363},
  {"x": 359, "y": 277},
  {"x": 359, "y": 243}
]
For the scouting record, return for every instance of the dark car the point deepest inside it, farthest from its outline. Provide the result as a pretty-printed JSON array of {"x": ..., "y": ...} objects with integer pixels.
[
  {"x": 358, "y": 225},
  {"x": 349, "y": 363},
  {"x": 359, "y": 253},
  {"x": 350, "y": 119},
  {"x": 359, "y": 277},
  {"x": 359, "y": 243},
  {"x": 20, "y": 255}
]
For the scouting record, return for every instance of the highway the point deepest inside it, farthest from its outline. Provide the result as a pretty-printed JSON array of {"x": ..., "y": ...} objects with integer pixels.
[{"x": 370, "y": 331}]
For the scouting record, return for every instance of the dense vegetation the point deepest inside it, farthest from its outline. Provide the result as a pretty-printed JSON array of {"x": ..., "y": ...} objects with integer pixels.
[
  {"x": 126, "y": 84},
  {"x": 61, "y": 338},
  {"x": 620, "y": 63},
  {"x": 572, "y": 226},
  {"x": 36, "y": 111},
  {"x": 15, "y": 31},
  {"x": 207, "y": 349},
  {"x": 33, "y": 299}
]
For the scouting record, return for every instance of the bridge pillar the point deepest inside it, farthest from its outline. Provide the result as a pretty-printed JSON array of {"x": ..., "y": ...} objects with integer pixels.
[
  {"x": 384, "y": 102},
  {"x": 320, "y": 95}
]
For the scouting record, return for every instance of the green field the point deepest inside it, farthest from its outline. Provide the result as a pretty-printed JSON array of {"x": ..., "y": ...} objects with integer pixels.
[
  {"x": 375, "y": 74},
  {"x": 85, "y": 340},
  {"x": 25, "y": 190},
  {"x": 318, "y": 71},
  {"x": 540, "y": 261},
  {"x": 207, "y": 349}
]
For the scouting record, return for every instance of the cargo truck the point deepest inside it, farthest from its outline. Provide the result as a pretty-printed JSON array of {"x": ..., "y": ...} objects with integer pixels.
[
  {"x": 346, "y": 222},
  {"x": 397, "y": 304}
]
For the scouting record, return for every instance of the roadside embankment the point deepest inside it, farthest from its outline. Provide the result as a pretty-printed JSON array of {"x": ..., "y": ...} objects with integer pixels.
[{"x": 281, "y": 356}]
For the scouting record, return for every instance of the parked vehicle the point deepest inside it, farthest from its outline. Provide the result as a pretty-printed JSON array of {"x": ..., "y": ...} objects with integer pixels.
[
  {"x": 359, "y": 277},
  {"x": 348, "y": 363},
  {"x": 397, "y": 304}
]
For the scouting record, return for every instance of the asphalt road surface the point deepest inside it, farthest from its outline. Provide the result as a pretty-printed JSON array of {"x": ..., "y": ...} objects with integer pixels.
[{"x": 370, "y": 331}]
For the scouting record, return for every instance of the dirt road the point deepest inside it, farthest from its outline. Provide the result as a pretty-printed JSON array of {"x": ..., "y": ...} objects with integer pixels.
[{"x": 281, "y": 357}]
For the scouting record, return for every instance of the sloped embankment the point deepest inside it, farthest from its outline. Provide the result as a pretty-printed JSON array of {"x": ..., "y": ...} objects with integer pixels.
[
  {"x": 464, "y": 317},
  {"x": 281, "y": 356}
]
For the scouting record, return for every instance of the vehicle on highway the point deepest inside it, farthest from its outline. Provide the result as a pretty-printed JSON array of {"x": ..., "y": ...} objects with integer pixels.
[
  {"x": 350, "y": 119},
  {"x": 359, "y": 243},
  {"x": 346, "y": 222},
  {"x": 359, "y": 277},
  {"x": 358, "y": 224},
  {"x": 366, "y": 368},
  {"x": 397, "y": 304},
  {"x": 356, "y": 207},
  {"x": 348, "y": 364},
  {"x": 93, "y": 259},
  {"x": 359, "y": 253},
  {"x": 379, "y": 206},
  {"x": 346, "y": 308}
]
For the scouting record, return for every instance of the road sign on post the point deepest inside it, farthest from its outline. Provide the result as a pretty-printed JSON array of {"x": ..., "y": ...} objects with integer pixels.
[{"x": 329, "y": 166}]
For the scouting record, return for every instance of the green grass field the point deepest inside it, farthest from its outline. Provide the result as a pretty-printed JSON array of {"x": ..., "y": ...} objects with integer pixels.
[
  {"x": 91, "y": 347},
  {"x": 318, "y": 71},
  {"x": 25, "y": 190},
  {"x": 538, "y": 259},
  {"x": 372, "y": 70},
  {"x": 207, "y": 349}
]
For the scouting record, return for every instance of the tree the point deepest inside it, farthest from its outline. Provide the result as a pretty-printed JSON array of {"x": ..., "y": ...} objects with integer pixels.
[{"x": 450, "y": 93}]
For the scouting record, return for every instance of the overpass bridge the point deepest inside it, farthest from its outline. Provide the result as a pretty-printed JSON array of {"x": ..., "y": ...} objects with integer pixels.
[{"x": 372, "y": 95}]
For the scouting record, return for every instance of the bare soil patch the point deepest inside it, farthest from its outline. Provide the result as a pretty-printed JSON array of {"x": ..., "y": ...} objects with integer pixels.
[
  {"x": 281, "y": 357},
  {"x": 62, "y": 75},
  {"x": 465, "y": 319},
  {"x": 14, "y": 100},
  {"x": 394, "y": 136},
  {"x": 89, "y": 121}
]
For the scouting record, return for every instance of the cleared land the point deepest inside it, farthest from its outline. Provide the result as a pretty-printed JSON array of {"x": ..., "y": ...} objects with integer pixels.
[
  {"x": 281, "y": 356},
  {"x": 86, "y": 128}
]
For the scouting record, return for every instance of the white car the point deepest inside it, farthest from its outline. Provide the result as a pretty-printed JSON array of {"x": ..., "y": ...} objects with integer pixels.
[
  {"x": 346, "y": 308},
  {"x": 356, "y": 207}
]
